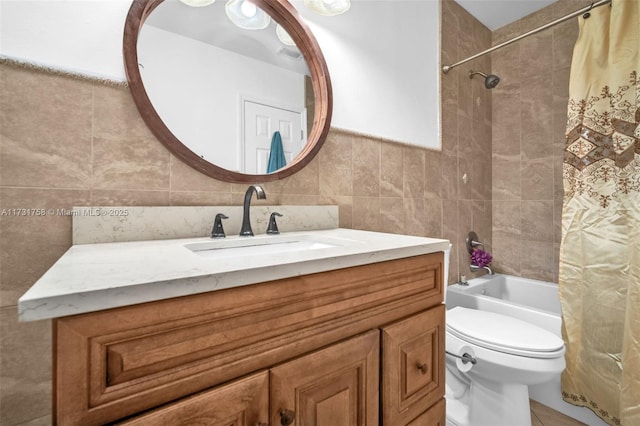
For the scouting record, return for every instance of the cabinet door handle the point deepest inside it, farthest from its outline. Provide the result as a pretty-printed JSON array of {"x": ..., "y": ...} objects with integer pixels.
[
  {"x": 287, "y": 417},
  {"x": 422, "y": 367}
]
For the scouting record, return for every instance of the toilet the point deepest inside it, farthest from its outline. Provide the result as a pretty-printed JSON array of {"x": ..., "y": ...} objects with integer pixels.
[{"x": 491, "y": 360}]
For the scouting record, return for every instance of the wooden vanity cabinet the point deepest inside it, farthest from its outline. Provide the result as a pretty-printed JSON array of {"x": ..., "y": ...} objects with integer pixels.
[{"x": 336, "y": 348}]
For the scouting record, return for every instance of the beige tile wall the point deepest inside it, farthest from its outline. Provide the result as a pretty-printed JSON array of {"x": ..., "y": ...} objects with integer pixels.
[
  {"x": 466, "y": 135},
  {"x": 68, "y": 142},
  {"x": 529, "y": 118}
]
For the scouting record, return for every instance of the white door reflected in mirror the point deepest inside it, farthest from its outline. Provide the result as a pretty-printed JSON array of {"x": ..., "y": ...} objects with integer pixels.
[{"x": 260, "y": 123}]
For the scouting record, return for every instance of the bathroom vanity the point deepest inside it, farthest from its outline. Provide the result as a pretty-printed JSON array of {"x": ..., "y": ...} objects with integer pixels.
[{"x": 349, "y": 334}]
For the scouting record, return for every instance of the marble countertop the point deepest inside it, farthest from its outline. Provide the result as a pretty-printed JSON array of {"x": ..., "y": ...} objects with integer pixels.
[{"x": 93, "y": 277}]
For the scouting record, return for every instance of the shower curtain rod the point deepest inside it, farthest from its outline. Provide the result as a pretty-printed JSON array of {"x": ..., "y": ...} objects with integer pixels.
[{"x": 447, "y": 68}]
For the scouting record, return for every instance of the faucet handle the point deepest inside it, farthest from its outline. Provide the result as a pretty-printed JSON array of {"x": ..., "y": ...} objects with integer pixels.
[
  {"x": 273, "y": 226},
  {"x": 218, "y": 230}
]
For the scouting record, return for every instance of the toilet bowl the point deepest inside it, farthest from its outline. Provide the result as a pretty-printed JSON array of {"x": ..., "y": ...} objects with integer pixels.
[{"x": 508, "y": 355}]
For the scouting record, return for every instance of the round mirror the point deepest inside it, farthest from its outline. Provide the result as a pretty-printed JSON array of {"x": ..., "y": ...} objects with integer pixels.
[{"x": 238, "y": 90}]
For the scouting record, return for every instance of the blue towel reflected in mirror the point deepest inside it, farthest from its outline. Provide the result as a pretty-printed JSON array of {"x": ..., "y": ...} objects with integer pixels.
[{"x": 276, "y": 154}]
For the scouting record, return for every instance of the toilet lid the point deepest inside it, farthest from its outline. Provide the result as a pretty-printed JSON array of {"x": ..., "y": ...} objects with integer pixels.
[{"x": 503, "y": 333}]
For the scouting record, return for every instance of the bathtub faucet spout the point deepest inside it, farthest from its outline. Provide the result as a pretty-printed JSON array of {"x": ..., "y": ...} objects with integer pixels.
[{"x": 475, "y": 268}]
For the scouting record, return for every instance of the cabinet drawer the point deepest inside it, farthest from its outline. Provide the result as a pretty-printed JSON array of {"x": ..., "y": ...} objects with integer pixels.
[
  {"x": 413, "y": 362},
  {"x": 244, "y": 402}
]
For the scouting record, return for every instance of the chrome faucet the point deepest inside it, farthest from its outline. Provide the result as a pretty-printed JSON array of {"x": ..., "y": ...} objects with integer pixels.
[
  {"x": 246, "y": 221},
  {"x": 475, "y": 268}
]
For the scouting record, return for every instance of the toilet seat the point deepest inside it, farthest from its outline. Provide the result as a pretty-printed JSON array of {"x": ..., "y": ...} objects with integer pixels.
[{"x": 502, "y": 333}]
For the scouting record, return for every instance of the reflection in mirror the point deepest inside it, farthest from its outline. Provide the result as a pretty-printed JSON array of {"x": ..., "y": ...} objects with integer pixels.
[
  {"x": 199, "y": 98},
  {"x": 238, "y": 98}
]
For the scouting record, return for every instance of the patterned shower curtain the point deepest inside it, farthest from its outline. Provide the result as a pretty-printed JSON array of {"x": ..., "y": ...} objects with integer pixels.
[{"x": 600, "y": 252}]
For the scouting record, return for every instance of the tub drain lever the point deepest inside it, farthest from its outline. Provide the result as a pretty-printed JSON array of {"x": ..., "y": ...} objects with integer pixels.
[{"x": 465, "y": 357}]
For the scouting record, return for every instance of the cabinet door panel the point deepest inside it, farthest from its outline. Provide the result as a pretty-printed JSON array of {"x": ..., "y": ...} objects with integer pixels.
[
  {"x": 336, "y": 386},
  {"x": 244, "y": 402},
  {"x": 435, "y": 416},
  {"x": 413, "y": 365}
]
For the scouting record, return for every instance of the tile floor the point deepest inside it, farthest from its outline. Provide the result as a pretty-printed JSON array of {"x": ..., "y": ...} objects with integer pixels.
[{"x": 541, "y": 415}]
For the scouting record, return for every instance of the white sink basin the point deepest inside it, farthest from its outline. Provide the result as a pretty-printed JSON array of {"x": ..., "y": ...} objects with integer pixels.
[{"x": 264, "y": 245}]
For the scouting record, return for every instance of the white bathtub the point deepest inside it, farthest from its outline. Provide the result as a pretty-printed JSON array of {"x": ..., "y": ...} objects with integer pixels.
[{"x": 529, "y": 300}]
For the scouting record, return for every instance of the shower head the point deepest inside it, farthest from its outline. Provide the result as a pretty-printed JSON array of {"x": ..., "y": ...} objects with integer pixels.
[{"x": 490, "y": 81}]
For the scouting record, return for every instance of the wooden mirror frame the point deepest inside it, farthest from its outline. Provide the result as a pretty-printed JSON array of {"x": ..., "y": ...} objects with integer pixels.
[{"x": 287, "y": 16}]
